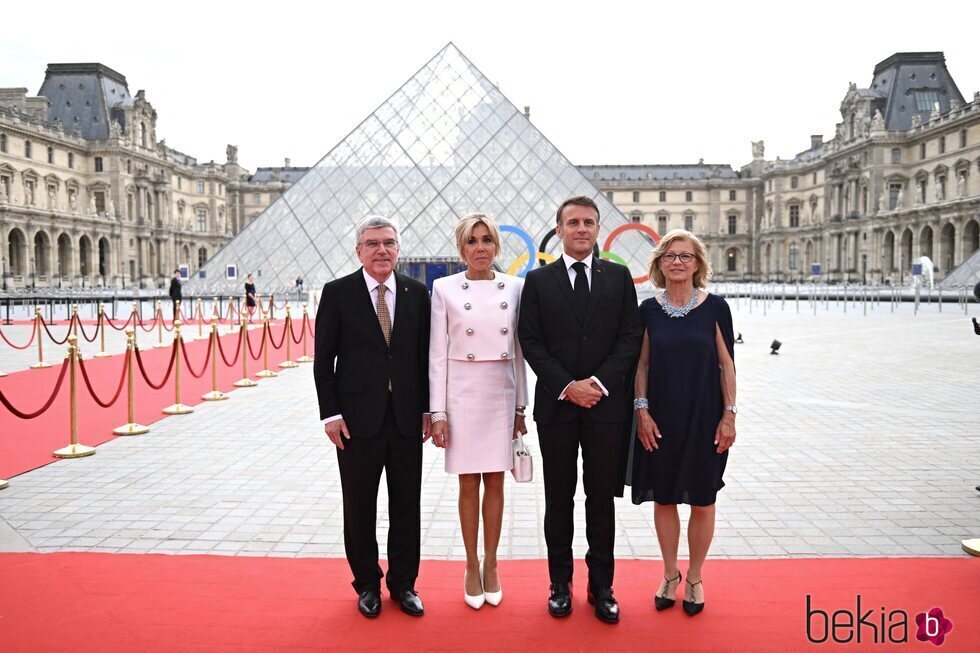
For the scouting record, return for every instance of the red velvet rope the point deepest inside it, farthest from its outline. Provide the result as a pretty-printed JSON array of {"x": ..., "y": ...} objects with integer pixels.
[
  {"x": 132, "y": 316},
  {"x": 53, "y": 339},
  {"x": 47, "y": 404},
  {"x": 281, "y": 340},
  {"x": 284, "y": 302},
  {"x": 91, "y": 390},
  {"x": 309, "y": 325},
  {"x": 187, "y": 360},
  {"x": 29, "y": 342},
  {"x": 81, "y": 329},
  {"x": 249, "y": 342},
  {"x": 221, "y": 351},
  {"x": 152, "y": 324},
  {"x": 170, "y": 368},
  {"x": 292, "y": 332}
]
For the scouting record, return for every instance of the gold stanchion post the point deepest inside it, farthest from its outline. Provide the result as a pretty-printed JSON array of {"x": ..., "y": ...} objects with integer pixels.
[
  {"x": 160, "y": 344},
  {"x": 200, "y": 319},
  {"x": 215, "y": 394},
  {"x": 131, "y": 427},
  {"x": 73, "y": 322},
  {"x": 74, "y": 449},
  {"x": 101, "y": 326},
  {"x": 40, "y": 346},
  {"x": 302, "y": 325},
  {"x": 177, "y": 408},
  {"x": 265, "y": 372},
  {"x": 288, "y": 337},
  {"x": 3, "y": 484},
  {"x": 245, "y": 381}
]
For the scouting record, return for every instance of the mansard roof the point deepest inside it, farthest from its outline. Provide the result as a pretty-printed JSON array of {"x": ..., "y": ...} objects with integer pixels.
[
  {"x": 289, "y": 175},
  {"x": 899, "y": 78},
  {"x": 659, "y": 172},
  {"x": 85, "y": 97}
]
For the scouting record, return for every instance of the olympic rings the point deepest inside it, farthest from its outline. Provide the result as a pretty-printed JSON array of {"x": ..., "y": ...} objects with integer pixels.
[
  {"x": 632, "y": 226},
  {"x": 523, "y": 258},
  {"x": 540, "y": 255}
]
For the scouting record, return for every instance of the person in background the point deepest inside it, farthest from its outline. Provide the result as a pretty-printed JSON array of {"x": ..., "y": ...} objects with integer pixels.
[{"x": 175, "y": 291}]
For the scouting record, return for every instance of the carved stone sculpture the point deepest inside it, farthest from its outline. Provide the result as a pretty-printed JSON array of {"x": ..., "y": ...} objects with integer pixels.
[
  {"x": 877, "y": 122},
  {"x": 758, "y": 149}
]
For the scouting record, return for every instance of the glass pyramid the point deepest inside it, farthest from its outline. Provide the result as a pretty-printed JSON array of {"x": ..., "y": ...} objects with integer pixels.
[{"x": 445, "y": 144}]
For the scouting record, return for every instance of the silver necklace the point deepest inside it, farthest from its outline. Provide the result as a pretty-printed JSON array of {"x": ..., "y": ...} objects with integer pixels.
[{"x": 674, "y": 311}]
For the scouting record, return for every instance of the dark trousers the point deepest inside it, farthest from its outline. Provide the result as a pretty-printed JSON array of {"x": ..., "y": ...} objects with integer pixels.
[
  {"x": 600, "y": 445},
  {"x": 361, "y": 463}
]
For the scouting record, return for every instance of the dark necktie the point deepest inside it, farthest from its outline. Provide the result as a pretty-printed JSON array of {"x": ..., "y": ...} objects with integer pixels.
[{"x": 581, "y": 289}]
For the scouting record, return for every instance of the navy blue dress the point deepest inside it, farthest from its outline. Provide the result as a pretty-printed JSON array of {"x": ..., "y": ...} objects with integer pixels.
[{"x": 684, "y": 389}]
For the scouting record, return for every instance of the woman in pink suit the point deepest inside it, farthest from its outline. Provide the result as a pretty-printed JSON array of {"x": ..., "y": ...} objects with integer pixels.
[{"x": 477, "y": 392}]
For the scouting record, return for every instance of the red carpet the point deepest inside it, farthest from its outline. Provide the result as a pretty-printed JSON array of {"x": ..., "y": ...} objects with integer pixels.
[
  {"x": 27, "y": 444},
  {"x": 100, "y": 602}
]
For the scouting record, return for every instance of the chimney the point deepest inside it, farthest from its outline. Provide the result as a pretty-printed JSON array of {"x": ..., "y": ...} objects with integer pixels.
[
  {"x": 816, "y": 140},
  {"x": 527, "y": 111},
  {"x": 287, "y": 162}
]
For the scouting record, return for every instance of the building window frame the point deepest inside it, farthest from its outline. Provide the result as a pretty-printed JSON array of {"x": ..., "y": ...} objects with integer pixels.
[
  {"x": 732, "y": 196},
  {"x": 794, "y": 215},
  {"x": 28, "y": 149},
  {"x": 896, "y": 156},
  {"x": 794, "y": 182},
  {"x": 98, "y": 164},
  {"x": 732, "y": 224},
  {"x": 688, "y": 196},
  {"x": 662, "y": 196},
  {"x": 636, "y": 197}
]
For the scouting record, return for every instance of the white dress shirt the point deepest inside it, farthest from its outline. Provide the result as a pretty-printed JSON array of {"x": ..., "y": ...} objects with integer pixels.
[
  {"x": 572, "y": 274},
  {"x": 390, "y": 296}
]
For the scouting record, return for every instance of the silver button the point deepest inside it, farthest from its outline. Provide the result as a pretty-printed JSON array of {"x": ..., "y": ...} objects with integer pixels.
[
  {"x": 467, "y": 306},
  {"x": 470, "y": 357},
  {"x": 504, "y": 330},
  {"x": 504, "y": 355},
  {"x": 503, "y": 305},
  {"x": 469, "y": 332},
  {"x": 465, "y": 285},
  {"x": 500, "y": 284}
]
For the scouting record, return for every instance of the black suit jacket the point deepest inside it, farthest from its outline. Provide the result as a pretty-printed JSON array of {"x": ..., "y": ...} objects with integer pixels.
[
  {"x": 560, "y": 347},
  {"x": 353, "y": 364},
  {"x": 175, "y": 290}
]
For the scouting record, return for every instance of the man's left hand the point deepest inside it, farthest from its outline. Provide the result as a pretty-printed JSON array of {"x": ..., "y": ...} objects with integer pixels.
[{"x": 426, "y": 426}]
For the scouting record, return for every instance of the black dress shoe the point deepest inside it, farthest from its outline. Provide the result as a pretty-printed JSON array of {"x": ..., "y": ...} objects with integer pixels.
[
  {"x": 560, "y": 601},
  {"x": 410, "y": 602},
  {"x": 369, "y": 603},
  {"x": 606, "y": 606}
]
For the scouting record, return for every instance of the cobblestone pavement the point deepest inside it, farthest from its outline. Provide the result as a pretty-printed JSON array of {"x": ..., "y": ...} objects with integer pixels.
[{"x": 861, "y": 438}]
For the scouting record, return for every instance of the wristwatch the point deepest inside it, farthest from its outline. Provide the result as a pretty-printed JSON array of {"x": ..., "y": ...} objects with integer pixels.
[{"x": 732, "y": 409}]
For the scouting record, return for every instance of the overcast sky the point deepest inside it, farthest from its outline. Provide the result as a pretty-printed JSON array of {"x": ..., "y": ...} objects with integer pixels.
[{"x": 607, "y": 82}]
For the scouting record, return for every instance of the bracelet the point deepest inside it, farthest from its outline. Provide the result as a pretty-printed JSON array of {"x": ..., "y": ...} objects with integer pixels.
[
  {"x": 641, "y": 402},
  {"x": 439, "y": 417},
  {"x": 520, "y": 412}
]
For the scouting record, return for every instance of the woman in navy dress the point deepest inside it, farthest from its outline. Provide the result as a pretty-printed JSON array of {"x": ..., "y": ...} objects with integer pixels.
[{"x": 685, "y": 408}]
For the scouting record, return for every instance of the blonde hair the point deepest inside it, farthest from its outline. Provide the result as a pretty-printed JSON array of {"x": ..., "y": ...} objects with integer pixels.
[
  {"x": 469, "y": 222},
  {"x": 701, "y": 276}
]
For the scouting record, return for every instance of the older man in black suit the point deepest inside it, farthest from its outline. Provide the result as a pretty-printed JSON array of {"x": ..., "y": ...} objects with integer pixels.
[
  {"x": 580, "y": 332},
  {"x": 372, "y": 382}
]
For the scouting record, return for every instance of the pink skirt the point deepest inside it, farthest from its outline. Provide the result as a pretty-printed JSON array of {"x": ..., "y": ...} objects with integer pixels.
[{"x": 480, "y": 406}]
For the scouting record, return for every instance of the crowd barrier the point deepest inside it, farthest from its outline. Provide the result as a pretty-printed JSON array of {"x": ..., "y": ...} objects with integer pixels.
[{"x": 133, "y": 369}]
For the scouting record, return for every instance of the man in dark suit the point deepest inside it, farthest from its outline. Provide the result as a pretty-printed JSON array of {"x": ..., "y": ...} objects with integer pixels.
[
  {"x": 175, "y": 291},
  {"x": 580, "y": 332},
  {"x": 372, "y": 381}
]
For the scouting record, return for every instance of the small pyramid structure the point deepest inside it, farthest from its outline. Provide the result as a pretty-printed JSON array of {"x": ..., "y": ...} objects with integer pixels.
[{"x": 445, "y": 144}]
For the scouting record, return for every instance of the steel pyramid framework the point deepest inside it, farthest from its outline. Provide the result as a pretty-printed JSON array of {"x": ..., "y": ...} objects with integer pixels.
[{"x": 444, "y": 144}]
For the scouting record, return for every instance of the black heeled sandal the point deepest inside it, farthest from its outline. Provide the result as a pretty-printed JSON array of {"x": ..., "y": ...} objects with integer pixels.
[
  {"x": 690, "y": 607},
  {"x": 667, "y": 601}
]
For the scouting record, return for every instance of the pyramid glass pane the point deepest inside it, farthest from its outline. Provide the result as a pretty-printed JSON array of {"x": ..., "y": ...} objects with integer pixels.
[{"x": 445, "y": 144}]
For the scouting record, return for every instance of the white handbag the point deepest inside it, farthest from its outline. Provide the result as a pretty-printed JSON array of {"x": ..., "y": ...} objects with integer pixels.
[{"x": 523, "y": 469}]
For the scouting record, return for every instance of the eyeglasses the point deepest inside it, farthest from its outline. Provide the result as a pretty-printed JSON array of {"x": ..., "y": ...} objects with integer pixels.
[
  {"x": 670, "y": 257},
  {"x": 389, "y": 243}
]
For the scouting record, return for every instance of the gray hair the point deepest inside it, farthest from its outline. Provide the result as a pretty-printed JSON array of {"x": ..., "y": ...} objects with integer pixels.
[{"x": 374, "y": 222}]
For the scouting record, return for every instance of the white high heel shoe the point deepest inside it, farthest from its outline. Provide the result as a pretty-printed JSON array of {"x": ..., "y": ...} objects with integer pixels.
[
  {"x": 475, "y": 602},
  {"x": 493, "y": 598}
]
